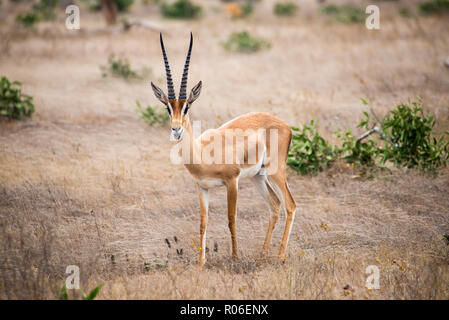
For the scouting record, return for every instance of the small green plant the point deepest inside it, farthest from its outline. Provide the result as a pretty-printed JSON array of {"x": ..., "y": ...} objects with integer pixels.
[
  {"x": 247, "y": 9},
  {"x": 244, "y": 42},
  {"x": 151, "y": 115},
  {"x": 404, "y": 12},
  {"x": 181, "y": 9},
  {"x": 433, "y": 7},
  {"x": 92, "y": 294},
  {"x": 119, "y": 67},
  {"x": 344, "y": 13},
  {"x": 13, "y": 103},
  {"x": 285, "y": 8},
  {"x": 309, "y": 151},
  {"x": 62, "y": 294},
  {"x": 446, "y": 238}
]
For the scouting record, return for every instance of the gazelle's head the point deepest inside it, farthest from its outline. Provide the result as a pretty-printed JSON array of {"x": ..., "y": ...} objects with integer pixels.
[{"x": 177, "y": 108}]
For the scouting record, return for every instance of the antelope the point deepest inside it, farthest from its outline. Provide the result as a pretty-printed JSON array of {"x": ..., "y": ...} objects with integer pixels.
[{"x": 270, "y": 154}]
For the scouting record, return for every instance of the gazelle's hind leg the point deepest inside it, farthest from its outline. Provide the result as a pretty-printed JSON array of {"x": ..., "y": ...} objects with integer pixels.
[
  {"x": 273, "y": 201},
  {"x": 280, "y": 180}
]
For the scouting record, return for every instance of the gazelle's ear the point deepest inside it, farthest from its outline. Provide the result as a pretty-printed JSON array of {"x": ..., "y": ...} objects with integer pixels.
[
  {"x": 195, "y": 93},
  {"x": 159, "y": 94}
]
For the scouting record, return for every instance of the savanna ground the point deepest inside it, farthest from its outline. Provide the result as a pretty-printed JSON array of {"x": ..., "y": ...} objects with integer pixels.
[{"x": 86, "y": 183}]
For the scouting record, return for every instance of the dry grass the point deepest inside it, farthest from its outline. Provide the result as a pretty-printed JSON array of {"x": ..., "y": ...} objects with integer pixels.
[{"x": 86, "y": 183}]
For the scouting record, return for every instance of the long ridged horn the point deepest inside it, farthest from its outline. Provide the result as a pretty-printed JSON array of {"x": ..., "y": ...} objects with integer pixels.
[
  {"x": 183, "y": 89},
  {"x": 170, "y": 88}
]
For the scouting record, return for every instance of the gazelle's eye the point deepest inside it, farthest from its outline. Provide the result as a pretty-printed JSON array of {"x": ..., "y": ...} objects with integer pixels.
[
  {"x": 168, "y": 110},
  {"x": 186, "y": 108}
]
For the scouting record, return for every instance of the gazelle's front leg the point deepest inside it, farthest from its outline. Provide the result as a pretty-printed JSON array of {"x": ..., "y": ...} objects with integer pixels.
[
  {"x": 232, "y": 188},
  {"x": 204, "y": 205}
]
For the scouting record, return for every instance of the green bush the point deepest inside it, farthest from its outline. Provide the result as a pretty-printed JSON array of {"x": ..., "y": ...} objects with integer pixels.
[
  {"x": 434, "y": 7},
  {"x": 247, "y": 9},
  {"x": 344, "y": 13},
  {"x": 13, "y": 103},
  {"x": 181, "y": 9},
  {"x": 151, "y": 115},
  {"x": 309, "y": 151},
  {"x": 93, "y": 5},
  {"x": 41, "y": 11},
  {"x": 285, "y": 8},
  {"x": 405, "y": 139},
  {"x": 120, "y": 67},
  {"x": 244, "y": 42},
  {"x": 412, "y": 141},
  {"x": 28, "y": 19},
  {"x": 46, "y": 9},
  {"x": 123, "y": 5}
]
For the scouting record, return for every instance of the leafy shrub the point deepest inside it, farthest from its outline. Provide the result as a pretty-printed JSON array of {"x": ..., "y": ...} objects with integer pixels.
[
  {"x": 151, "y": 115},
  {"x": 344, "y": 13},
  {"x": 41, "y": 11},
  {"x": 93, "y": 5},
  {"x": 413, "y": 144},
  {"x": 181, "y": 9},
  {"x": 247, "y": 9},
  {"x": 309, "y": 151},
  {"x": 46, "y": 9},
  {"x": 285, "y": 8},
  {"x": 434, "y": 7},
  {"x": 13, "y": 103},
  {"x": 244, "y": 42},
  {"x": 123, "y": 5},
  {"x": 28, "y": 19},
  {"x": 120, "y": 67},
  {"x": 405, "y": 139}
]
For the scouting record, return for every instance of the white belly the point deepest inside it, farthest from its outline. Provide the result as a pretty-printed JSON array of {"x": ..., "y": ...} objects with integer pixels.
[{"x": 209, "y": 183}]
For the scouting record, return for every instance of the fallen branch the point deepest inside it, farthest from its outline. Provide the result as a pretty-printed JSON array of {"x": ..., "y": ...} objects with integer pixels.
[{"x": 382, "y": 135}]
